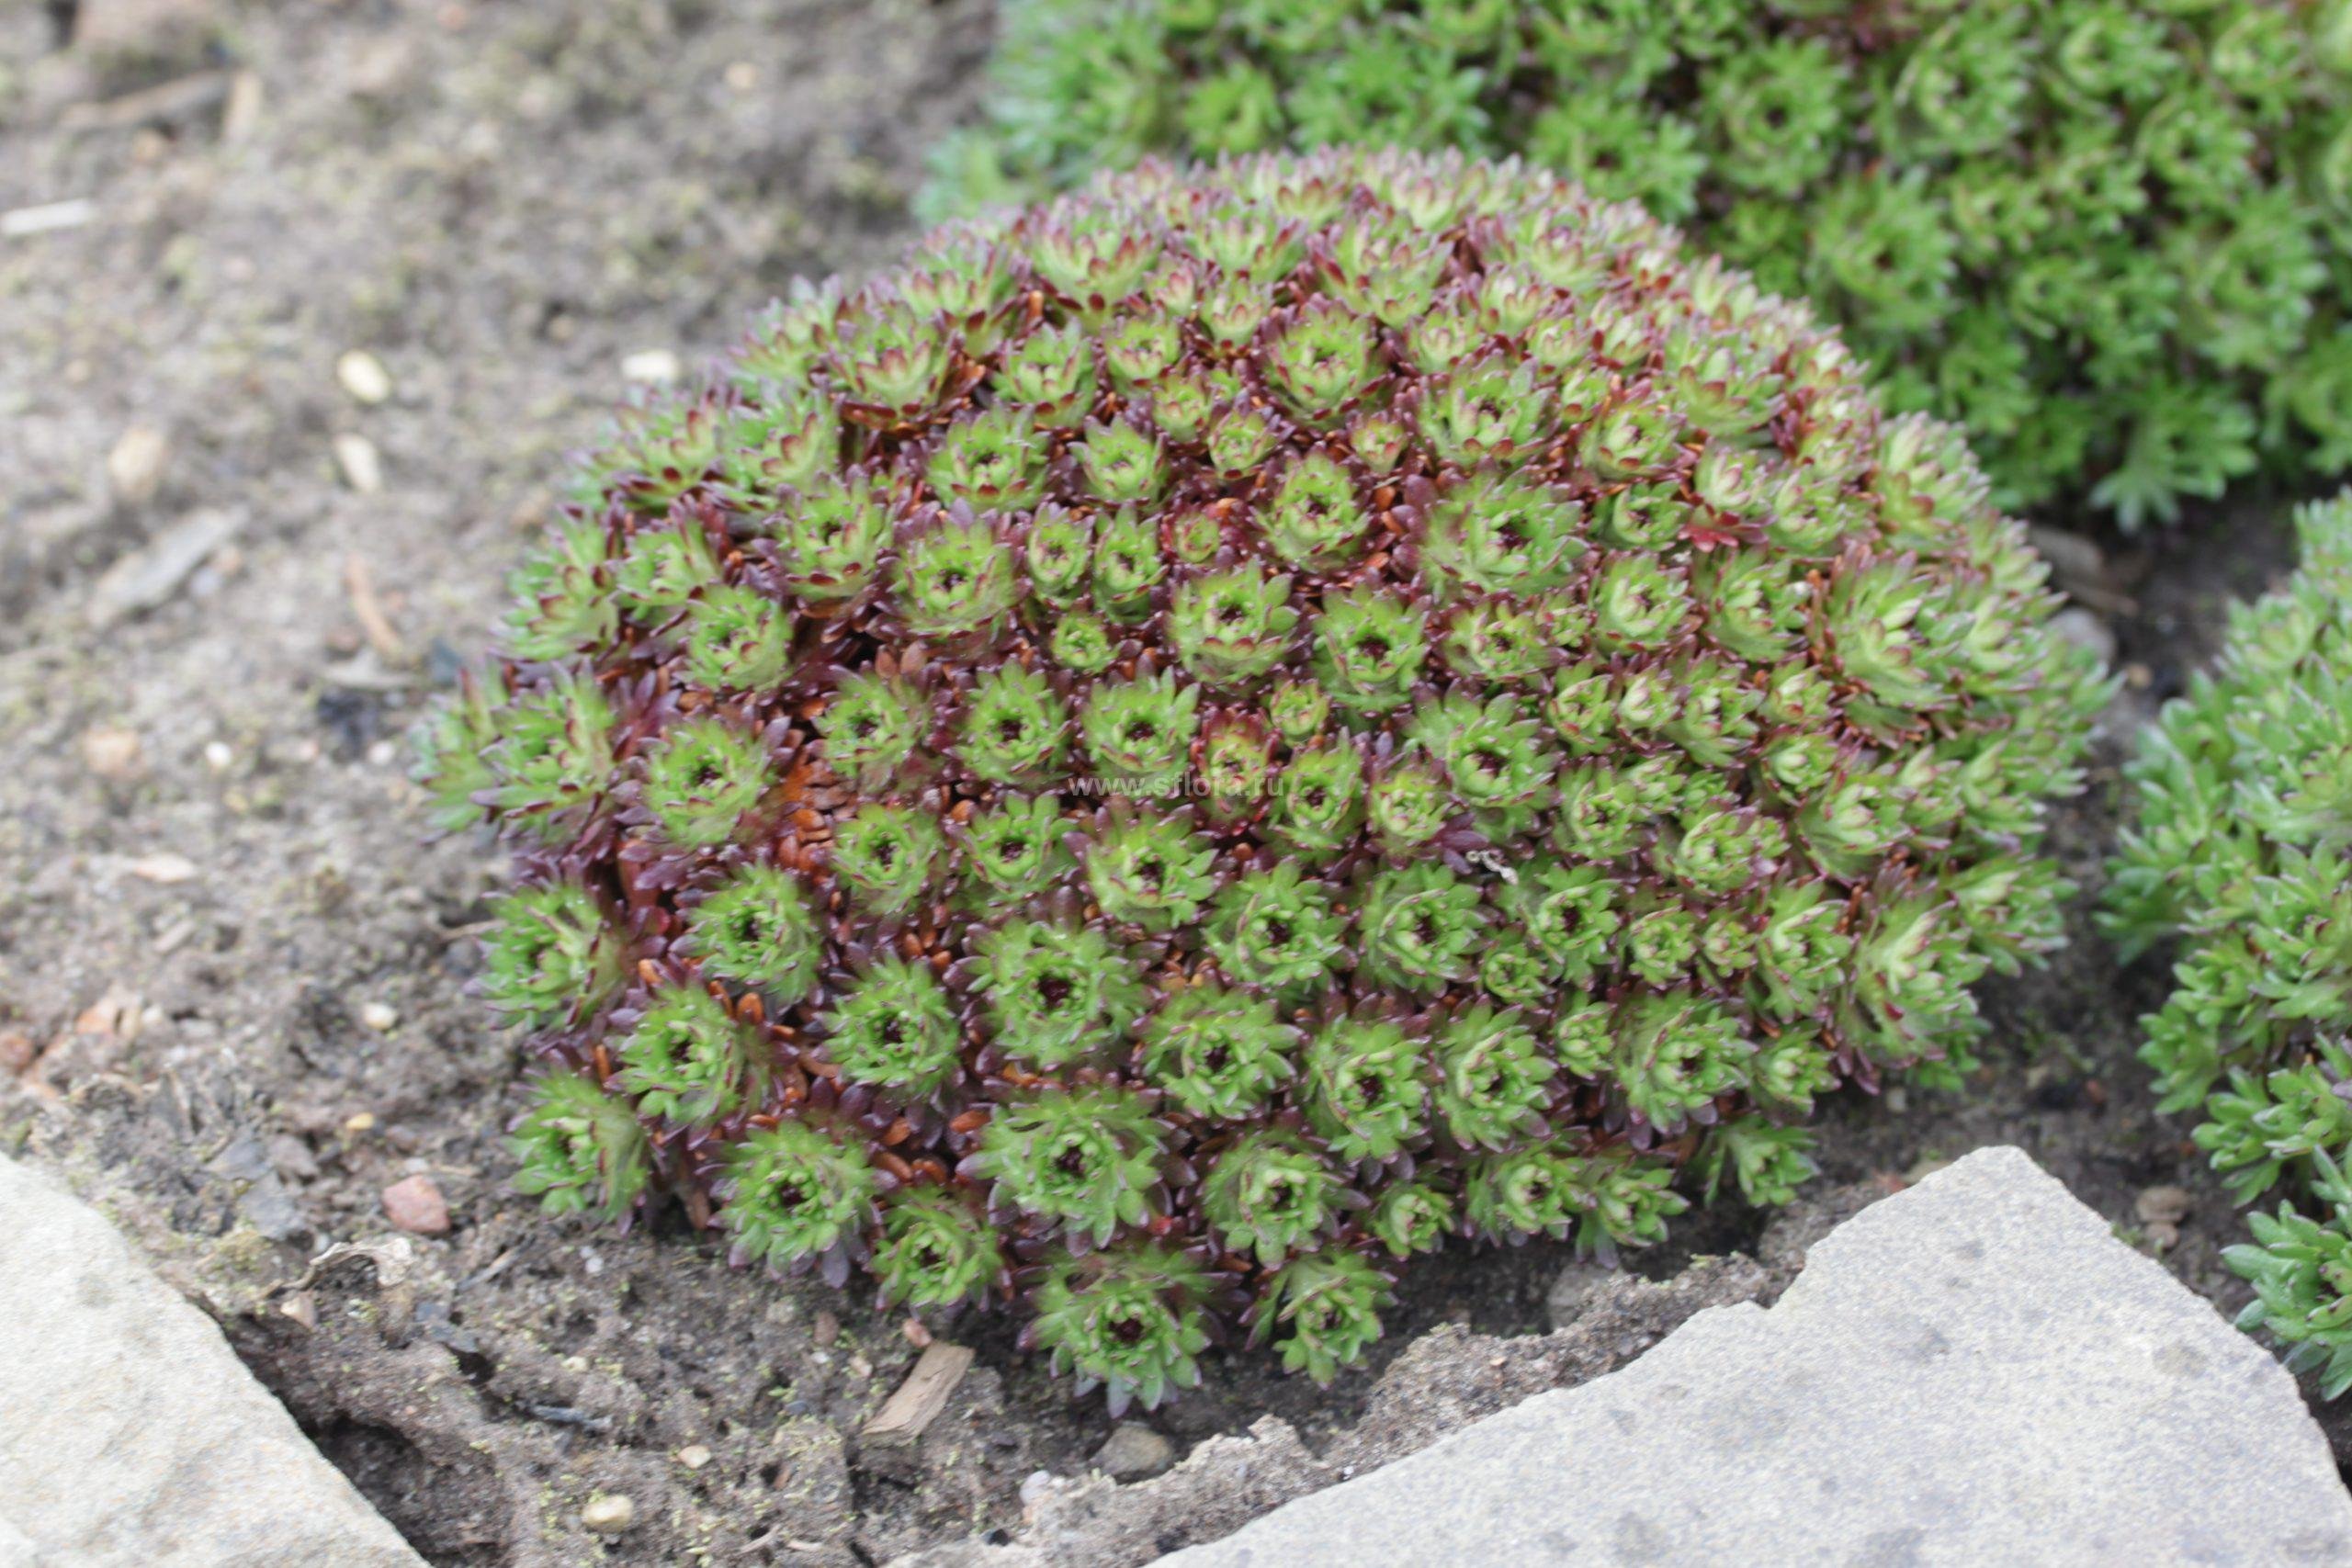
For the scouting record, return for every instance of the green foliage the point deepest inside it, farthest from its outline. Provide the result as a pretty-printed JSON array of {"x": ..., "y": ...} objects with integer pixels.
[
  {"x": 552, "y": 959},
  {"x": 2301, "y": 1269},
  {"x": 1218, "y": 1054},
  {"x": 796, "y": 1197},
  {"x": 688, "y": 1060},
  {"x": 1015, "y": 729},
  {"x": 874, "y": 728},
  {"x": 1417, "y": 926},
  {"x": 1324, "y": 1307},
  {"x": 895, "y": 1026},
  {"x": 1134, "y": 1321},
  {"x": 2106, "y": 238},
  {"x": 1276, "y": 929},
  {"x": 1054, "y": 993},
  {"x": 580, "y": 1150},
  {"x": 1155, "y": 757},
  {"x": 2240, "y": 854},
  {"x": 937, "y": 1250},
  {"x": 758, "y": 928},
  {"x": 1266, "y": 1193},
  {"x": 890, "y": 856},
  {"x": 1149, "y": 872},
  {"x": 1089, "y": 1158},
  {"x": 702, "y": 780}
]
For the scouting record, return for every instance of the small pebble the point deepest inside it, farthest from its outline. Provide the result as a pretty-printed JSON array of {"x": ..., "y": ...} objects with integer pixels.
[
  {"x": 112, "y": 754},
  {"x": 608, "y": 1513},
  {"x": 651, "y": 366},
  {"x": 378, "y": 1016},
  {"x": 693, "y": 1456},
  {"x": 416, "y": 1206},
  {"x": 824, "y": 1328},
  {"x": 163, "y": 867},
  {"x": 363, "y": 376},
  {"x": 362, "y": 468},
  {"x": 1133, "y": 1452},
  {"x": 2164, "y": 1205},
  {"x": 359, "y": 1122},
  {"x": 217, "y": 756},
  {"x": 135, "y": 463},
  {"x": 1571, "y": 1290},
  {"x": 2079, "y": 627}
]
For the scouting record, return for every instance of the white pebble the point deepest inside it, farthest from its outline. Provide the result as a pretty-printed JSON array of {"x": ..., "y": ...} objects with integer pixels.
[
  {"x": 363, "y": 469},
  {"x": 378, "y": 1017},
  {"x": 363, "y": 376},
  {"x": 608, "y": 1513},
  {"x": 651, "y": 365}
]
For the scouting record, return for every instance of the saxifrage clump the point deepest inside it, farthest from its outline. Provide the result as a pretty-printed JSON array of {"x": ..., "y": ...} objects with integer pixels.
[
  {"x": 2241, "y": 850},
  {"x": 2107, "y": 236},
  {"x": 1160, "y": 760}
]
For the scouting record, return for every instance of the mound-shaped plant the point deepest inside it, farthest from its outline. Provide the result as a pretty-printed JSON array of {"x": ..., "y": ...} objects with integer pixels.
[
  {"x": 2242, "y": 850},
  {"x": 2108, "y": 236},
  {"x": 1254, "y": 720}
]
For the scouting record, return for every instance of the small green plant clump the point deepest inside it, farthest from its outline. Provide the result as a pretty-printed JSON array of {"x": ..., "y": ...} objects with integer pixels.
[
  {"x": 2242, "y": 852},
  {"x": 2107, "y": 236},
  {"x": 1157, "y": 761}
]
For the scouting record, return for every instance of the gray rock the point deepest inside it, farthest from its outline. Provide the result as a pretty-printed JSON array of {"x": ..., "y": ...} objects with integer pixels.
[
  {"x": 131, "y": 1434},
  {"x": 1971, "y": 1371},
  {"x": 2078, "y": 626},
  {"x": 1442, "y": 1383},
  {"x": 1571, "y": 1290},
  {"x": 147, "y": 578},
  {"x": 1133, "y": 1452}
]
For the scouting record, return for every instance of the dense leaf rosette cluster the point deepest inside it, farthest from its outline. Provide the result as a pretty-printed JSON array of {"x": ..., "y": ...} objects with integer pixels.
[
  {"x": 1164, "y": 758},
  {"x": 2108, "y": 236},
  {"x": 2242, "y": 850}
]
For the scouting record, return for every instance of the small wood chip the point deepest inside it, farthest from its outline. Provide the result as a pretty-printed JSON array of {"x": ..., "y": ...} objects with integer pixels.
[
  {"x": 184, "y": 98},
  {"x": 922, "y": 1396},
  {"x": 164, "y": 867},
  {"x": 369, "y": 610}
]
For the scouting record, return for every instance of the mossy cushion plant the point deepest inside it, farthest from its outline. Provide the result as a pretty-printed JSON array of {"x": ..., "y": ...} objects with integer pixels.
[
  {"x": 1156, "y": 761},
  {"x": 2108, "y": 236},
  {"x": 2242, "y": 852}
]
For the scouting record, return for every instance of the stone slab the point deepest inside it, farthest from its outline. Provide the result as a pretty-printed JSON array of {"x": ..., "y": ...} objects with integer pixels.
[
  {"x": 1971, "y": 1371},
  {"x": 131, "y": 1435}
]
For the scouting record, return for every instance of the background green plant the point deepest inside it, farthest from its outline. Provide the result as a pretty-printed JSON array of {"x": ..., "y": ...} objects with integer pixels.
[
  {"x": 2109, "y": 237},
  {"x": 2241, "y": 850}
]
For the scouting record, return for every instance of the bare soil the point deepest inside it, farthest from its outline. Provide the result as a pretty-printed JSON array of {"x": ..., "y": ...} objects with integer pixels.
[{"x": 234, "y": 1001}]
